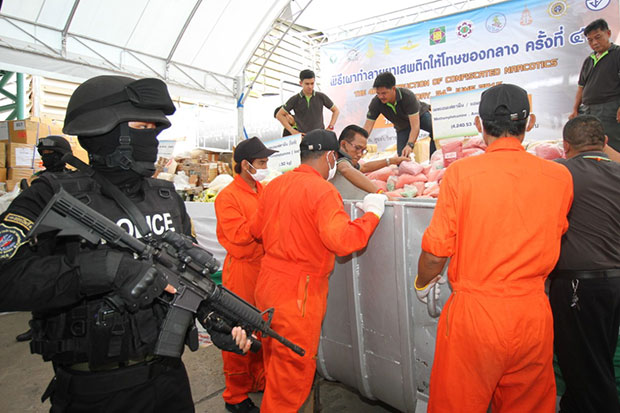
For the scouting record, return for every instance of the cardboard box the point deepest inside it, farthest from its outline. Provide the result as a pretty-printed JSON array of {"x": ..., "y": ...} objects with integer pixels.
[
  {"x": 2, "y": 155},
  {"x": 2, "y": 174},
  {"x": 11, "y": 184},
  {"x": 19, "y": 155},
  {"x": 25, "y": 131},
  {"x": 19, "y": 173}
]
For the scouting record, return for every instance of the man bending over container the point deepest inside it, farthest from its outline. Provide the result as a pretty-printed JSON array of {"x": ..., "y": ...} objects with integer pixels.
[
  {"x": 302, "y": 222},
  {"x": 500, "y": 217}
]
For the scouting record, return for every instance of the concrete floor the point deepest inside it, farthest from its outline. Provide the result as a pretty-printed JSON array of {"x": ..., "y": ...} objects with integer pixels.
[{"x": 24, "y": 377}]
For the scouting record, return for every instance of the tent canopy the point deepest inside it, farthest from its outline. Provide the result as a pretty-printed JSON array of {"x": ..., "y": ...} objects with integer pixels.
[{"x": 203, "y": 45}]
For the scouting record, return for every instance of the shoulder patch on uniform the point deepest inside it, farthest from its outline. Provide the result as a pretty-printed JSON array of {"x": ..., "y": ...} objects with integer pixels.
[
  {"x": 19, "y": 220},
  {"x": 11, "y": 238}
]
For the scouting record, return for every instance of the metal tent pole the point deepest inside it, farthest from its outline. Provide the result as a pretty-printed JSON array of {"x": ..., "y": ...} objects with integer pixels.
[{"x": 20, "y": 98}]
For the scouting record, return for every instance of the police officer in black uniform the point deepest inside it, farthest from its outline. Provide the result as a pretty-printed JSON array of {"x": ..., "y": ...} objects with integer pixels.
[
  {"x": 102, "y": 352},
  {"x": 51, "y": 148}
]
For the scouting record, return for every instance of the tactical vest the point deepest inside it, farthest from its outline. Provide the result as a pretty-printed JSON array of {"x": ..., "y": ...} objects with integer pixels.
[{"x": 94, "y": 331}]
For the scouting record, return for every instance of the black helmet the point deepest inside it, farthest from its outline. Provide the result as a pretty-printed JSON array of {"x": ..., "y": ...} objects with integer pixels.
[
  {"x": 54, "y": 143},
  {"x": 98, "y": 105}
]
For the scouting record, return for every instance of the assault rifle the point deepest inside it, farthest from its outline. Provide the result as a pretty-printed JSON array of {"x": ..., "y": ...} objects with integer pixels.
[{"x": 186, "y": 265}]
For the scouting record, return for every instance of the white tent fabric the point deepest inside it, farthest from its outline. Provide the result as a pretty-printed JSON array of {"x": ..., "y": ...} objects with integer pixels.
[
  {"x": 207, "y": 51},
  {"x": 203, "y": 44}
]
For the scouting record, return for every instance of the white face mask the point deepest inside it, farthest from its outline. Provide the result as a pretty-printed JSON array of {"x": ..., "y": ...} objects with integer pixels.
[
  {"x": 332, "y": 170},
  {"x": 259, "y": 175}
]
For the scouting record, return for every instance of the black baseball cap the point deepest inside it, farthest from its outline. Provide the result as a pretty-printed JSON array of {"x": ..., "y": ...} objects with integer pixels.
[
  {"x": 319, "y": 140},
  {"x": 504, "y": 102},
  {"x": 252, "y": 148}
]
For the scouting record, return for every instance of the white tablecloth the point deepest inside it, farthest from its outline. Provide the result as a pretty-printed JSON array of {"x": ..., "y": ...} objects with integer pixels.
[{"x": 203, "y": 216}]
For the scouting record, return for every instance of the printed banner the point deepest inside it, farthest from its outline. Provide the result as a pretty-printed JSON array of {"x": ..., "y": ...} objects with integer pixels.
[{"x": 538, "y": 45}]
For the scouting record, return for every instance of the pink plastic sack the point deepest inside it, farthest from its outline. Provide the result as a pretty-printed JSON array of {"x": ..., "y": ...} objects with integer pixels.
[
  {"x": 409, "y": 179},
  {"x": 452, "y": 151},
  {"x": 473, "y": 143},
  {"x": 549, "y": 151},
  {"x": 437, "y": 156},
  {"x": 472, "y": 152},
  {"x": 394, "y": 194},
  {"x": 382, "y": 174},
  {"x": 410, "y": 167},
  {"x": 420, "y": 187},
  {"x": 432, "y": 191},
  {"x": 435, "y": 174},
  {"x": 380, "y": 184}
]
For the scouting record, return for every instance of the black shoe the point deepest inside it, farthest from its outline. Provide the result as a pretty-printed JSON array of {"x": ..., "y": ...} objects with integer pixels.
[
  {"x": 27, "y": 336},
  {"x": 246, "y": 406}
]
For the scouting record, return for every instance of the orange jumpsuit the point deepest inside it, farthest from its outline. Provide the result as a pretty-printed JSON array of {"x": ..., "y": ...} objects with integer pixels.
[
  {"x": 302, "y": 222},
  {"x": 500, "y": 216},
  {"x": 234, "y": 206}
]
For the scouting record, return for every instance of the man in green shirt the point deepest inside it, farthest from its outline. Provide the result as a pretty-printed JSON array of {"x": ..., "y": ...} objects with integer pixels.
[
  {"x": 598, "y": 91},
  {"x": 307, "y": 106},
  {"x": 401, "y": 107}
]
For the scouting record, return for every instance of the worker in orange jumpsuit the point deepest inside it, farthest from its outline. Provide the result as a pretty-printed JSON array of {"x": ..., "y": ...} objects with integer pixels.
[
  {"x": 302, "y": 222},
  {"x": 234, "y": 206},
  {"x": 500, "y": 217}
]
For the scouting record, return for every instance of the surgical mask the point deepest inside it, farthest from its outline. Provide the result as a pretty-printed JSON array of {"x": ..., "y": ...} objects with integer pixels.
[
  {"x": 332, "y": 170},
  {"x": 259, "y": 175}
]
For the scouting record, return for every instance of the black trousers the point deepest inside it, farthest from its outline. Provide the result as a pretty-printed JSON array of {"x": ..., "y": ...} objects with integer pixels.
[
  {"x": 585, "y": 342},
  {"x": 168, "y": 391}
]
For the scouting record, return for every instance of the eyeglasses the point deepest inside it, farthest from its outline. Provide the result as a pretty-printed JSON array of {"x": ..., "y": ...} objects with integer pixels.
[{"x": 359, "y": 148}]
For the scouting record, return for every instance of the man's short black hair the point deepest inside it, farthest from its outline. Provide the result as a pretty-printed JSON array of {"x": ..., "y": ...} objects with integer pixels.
[
  {"x": 275, "y": 112},
  {"x": 306, "y": 74},
  {"x": 598, "y": 24},
  {"x": 583, "y": 131},
  {"x": 238, "y": 165},
  {"x": 306, "y": 155},
  {"x": 504, "y": 127},
  {"x": 348, "y": 133},
  {"x": 386, "y": 80}
]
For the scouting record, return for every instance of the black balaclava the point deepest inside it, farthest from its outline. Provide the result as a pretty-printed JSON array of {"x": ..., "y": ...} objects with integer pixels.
[
  {"x": 52, "y": 161},
  {"x": 142, "y": 149}
]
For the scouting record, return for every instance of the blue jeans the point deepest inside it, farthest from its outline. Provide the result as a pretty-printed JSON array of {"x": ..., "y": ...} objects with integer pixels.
[{"x": 426, "y": 123}]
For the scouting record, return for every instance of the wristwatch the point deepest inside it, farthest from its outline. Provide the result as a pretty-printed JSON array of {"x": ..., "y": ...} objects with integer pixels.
[
  {"x": 410, "y": 144},
  {"x": 329, "y": 127}
]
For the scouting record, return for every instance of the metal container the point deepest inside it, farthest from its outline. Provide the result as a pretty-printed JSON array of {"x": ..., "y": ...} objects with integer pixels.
[{"x": 377, "y": 337}]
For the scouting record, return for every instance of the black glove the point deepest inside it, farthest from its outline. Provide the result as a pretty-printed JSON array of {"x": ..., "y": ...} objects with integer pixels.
[
  {"x": 219, "y": 331},
  {"x": 137, "y": 282}
]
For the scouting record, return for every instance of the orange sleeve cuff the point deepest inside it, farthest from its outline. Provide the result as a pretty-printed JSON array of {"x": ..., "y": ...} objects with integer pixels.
[{"x": 437, "y": 247}]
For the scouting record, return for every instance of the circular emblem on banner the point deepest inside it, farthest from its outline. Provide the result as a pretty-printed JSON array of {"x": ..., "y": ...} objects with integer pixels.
[
  {"x": 353, "y": 54},
  {"x": 464, "y": 29},
  {"x": 496, "y": 22},
  {"x": 597, "y": 5},
  {"x": 557, "y": 8},
  {"x": 10, "y": 240}
]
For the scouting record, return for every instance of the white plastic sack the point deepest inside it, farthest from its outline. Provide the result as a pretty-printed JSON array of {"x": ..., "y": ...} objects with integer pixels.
[{"x": 6, "y": 199}]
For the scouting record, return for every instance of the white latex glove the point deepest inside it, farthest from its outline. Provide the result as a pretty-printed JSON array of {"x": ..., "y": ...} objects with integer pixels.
[
  {"x": 422, "y": 293},
  {"x": 374, "y": 203}
]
